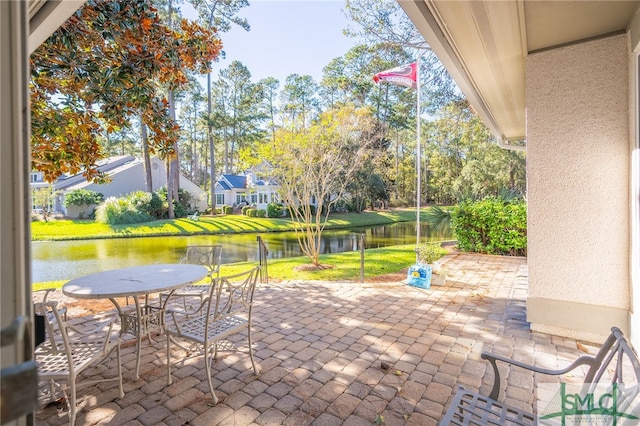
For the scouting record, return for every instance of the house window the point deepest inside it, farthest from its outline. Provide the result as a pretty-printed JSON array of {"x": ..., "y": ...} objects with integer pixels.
[
  {"x": 254, "y": 198},
  {"x": 240, "y": 197},
  {"x": 263, "y": 198},
  {"x": 275, "y": 198},
  {"x": 34, "y": 177},
  {"x": 219, "y": 199}
]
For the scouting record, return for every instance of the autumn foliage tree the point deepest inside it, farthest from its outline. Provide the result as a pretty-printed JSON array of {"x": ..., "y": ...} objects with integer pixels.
[{"x": 109, "y": 63}]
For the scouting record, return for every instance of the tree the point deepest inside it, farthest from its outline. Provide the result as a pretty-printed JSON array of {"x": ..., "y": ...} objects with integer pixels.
[
  {"x": 314, "y": 165},
  {"x": 221, "y": 15},
  {"x": 191, "y": 120},
  {"x": 43, "y": 198},
  {"x": 242, "y": 115},
  {"x": 268, "y": 88},
  {"x": 299, "y": 101},
  {"x": 122, "y": 141},
  {"x": 463, "y": 160},
  {"x": 104, "y": 65},
  {"x": 384, "y": 22}
]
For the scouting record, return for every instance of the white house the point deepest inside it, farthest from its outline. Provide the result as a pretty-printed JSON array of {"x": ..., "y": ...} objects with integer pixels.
[
  {"x": 236, "y": 190},
  {"x": 127, "y": 175}
]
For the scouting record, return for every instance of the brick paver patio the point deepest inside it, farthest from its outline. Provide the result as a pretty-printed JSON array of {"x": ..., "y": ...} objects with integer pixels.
[{"x": 343, "y": 354}]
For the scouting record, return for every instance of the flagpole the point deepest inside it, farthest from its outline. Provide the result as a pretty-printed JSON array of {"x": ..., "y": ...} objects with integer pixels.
[{"x": 418, "y": 157}]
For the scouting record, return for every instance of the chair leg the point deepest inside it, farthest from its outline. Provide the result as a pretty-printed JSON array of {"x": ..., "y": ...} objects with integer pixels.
[
  {"x": 72, "y": 401},
  {"x": 207, "y": 366},
  {"x": 119, "y": 360},
  {"x": 169, "y": 381},
  {"x": 253, "y": 363}
]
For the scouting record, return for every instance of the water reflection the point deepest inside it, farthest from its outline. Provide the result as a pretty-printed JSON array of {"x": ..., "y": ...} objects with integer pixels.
[{"x": 63, "y": 260}]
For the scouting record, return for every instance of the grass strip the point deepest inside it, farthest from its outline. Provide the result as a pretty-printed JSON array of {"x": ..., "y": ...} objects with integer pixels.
[{"x": 59, "y": 230}]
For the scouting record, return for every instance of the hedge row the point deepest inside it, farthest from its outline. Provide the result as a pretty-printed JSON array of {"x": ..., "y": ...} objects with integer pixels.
[{"x": 491, "y": 226}]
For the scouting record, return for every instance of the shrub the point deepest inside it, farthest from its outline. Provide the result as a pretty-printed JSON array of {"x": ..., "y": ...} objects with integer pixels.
[
  {"x": 117, "y": 211},
  {"x": 146, "y": 202},
  {"x": 180, "y": 206},
  {"x": 228, "y": 210},
  {"x": 491, "y": 226},
  {"x": 261, "y": 213},
  {"x": 82, "y": 197},
  {"x": 245, "y": 209},
  {"x": 275, "y": 210},
  {"x": 430, "y": 252},
  {"x": 311, "y": 208},
  {"x": 250, "y": 212}
]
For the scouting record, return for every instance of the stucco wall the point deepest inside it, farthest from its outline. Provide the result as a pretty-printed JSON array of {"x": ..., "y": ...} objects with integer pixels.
[{"x": 578, "y": 187}]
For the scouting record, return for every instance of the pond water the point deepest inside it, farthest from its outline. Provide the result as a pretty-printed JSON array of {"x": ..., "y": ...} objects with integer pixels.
[{"x": 62, "y": 260}]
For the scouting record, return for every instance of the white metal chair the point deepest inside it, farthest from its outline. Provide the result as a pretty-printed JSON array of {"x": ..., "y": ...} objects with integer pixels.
[
  {"x": 226, "y": 310},
  {"x": 205, "y": 255},
  {"x": 42, "y": 296},
  {"x": 68, "y": 351}
]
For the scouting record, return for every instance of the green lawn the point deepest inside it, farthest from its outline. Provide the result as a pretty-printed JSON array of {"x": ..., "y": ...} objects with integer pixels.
[
  {"x": 342, "y": 266},
  {"x": 84, "y": 229}
]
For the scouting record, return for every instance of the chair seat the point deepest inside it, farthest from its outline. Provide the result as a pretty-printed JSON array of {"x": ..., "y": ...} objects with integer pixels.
[
  {"x": 471, "y": 408},
  {"x": 192, "y": 290},
  {"x": 193, "y": 329},
  {"x": 82, "y": 354}
]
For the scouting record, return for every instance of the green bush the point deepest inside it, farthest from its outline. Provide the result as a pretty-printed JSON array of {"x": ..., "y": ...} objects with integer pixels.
[
  {"x": 491, "y": 226},
  {"x": 82, "y": 197},
  {"x": 121, "y": 211},
  {"x": 180, "y": 206},
  {"x": 261, "y": 213},
  {"x": 311, "y": 208},
  {"x": 250, "y": 212},
  {"x": 147, "y": 202},
  {"x": 228, "y": 210},
  {"x": 245, "y": 209},
  {"x": 275, "y": 210},
  {"x": 430, "y": 252}
]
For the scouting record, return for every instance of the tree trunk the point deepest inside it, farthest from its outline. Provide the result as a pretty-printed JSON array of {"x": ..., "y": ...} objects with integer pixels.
[
  {"x": 170, "y": 211},
  {"x": 211, "y": 154},
  {"x": 173, "y": 183},
  {"x": 146, "y": 157}
]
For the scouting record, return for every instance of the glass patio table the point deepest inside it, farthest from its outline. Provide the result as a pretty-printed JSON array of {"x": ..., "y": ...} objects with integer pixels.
[{"x": 136, "y": 282}]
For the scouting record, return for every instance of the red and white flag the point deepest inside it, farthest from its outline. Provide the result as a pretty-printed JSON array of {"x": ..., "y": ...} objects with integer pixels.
[{"x": 404, "y": 75}]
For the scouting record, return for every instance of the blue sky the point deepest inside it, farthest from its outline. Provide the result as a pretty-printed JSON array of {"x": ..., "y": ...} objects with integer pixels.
[{"x": 287, "y": 37}]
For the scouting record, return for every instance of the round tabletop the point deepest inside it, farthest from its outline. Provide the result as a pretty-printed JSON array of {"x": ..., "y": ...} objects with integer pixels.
[{"x": 132, "y": 281}]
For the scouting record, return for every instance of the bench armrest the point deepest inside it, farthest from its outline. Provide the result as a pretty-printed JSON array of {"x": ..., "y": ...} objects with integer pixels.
[{"x": 493, "y": 358}]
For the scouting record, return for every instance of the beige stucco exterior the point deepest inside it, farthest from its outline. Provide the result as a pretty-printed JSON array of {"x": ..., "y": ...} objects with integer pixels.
[
  {"x": 578, "y": 138},
  {"x": 572, "y": 68}
]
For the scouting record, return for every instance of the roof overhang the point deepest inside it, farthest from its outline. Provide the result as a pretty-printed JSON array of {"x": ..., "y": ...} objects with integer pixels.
[
  {"x": 483, "y": 45},
  {"x": 46, "y": 16}
]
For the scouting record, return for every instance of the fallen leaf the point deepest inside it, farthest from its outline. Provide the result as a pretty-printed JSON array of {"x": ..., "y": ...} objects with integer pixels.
[
  {"x": 379, "y": 419},
  {"x": 582, "y": 347}
]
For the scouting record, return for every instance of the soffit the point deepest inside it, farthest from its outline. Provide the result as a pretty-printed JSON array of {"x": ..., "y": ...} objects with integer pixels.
[
  {"x": 46, "y": 16},
  {"x": 483, "y": 44}
]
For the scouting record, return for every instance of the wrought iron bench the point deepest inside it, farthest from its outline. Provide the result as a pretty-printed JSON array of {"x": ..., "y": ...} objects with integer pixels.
[{"x": 615, "y": 362}]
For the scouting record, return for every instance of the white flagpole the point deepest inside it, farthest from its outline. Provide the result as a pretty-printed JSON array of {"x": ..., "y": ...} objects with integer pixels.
[{"x": 418, "y": 155}]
